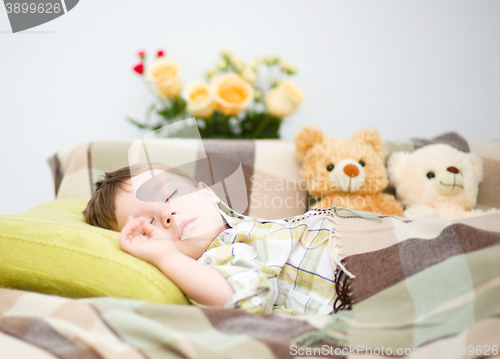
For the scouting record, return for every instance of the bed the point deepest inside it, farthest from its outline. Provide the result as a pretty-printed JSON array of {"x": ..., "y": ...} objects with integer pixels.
[{"x": 427, "y": 288}]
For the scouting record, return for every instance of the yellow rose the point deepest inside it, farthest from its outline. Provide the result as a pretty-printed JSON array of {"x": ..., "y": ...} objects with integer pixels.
[
  {"x": 232, "y": 94},
  {"x": 200, "y": 99},
  {"x": 165, "y": 75},
  {"x": 282, "y": 101}
]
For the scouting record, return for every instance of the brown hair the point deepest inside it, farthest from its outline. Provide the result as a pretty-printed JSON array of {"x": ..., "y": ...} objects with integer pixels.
[{"x": 100, "y": 211}]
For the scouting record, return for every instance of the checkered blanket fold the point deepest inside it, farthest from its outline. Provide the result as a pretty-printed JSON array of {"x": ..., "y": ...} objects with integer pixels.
[{"x": 427, "y": 288}]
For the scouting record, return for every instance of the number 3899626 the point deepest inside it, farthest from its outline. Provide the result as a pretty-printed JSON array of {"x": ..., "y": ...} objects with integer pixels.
[{"x": 32, "y": 8}]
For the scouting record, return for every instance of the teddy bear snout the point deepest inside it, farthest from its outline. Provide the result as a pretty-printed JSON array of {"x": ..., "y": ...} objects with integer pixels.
[
  {"x": 351, "y": 170},
  {"x": 348, "y": 176},
  {"x": 449, "y": 181}
]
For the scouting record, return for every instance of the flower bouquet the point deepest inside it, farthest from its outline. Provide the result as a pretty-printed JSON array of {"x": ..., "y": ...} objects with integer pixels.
[{"x": 237, "y": 100}]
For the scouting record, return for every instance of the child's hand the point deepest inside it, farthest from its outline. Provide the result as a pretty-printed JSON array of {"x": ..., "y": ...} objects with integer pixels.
[{"x": 145, "y": 241}]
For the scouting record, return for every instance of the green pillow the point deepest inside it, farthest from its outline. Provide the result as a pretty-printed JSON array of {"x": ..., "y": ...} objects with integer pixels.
[{"x": 50, "y": 249}]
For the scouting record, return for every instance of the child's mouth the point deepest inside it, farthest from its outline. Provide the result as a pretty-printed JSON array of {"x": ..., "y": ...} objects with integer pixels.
[{"x": 183, "y": 226}]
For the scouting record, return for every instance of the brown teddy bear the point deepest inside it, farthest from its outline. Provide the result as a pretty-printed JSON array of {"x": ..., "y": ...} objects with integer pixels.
[{"x": 348, "y": 173}]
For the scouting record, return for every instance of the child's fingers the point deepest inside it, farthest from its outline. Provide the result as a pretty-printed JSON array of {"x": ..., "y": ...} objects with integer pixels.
[
  {"x": 131, "y": 227},
  {"x": 136, "y": 225},
  {"x": 124, "y": 238},
  {"x": 148, "y": 229}
]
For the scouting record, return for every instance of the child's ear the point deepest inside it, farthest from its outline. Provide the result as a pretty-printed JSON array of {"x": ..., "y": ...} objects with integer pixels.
[{"x": 208, "y": 192}]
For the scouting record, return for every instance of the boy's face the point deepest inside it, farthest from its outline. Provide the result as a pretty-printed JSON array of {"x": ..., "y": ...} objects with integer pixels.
[{"x": 185, "y": 214}]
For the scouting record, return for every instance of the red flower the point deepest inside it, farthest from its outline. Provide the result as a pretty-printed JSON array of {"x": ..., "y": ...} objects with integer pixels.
[
  {"x": 141, "y": 54},
  {"x": 139, "y": 68},
  {"x": 160, "y": 53}
]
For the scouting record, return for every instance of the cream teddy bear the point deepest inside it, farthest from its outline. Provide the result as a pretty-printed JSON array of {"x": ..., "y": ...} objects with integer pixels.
[{"x": 437, "y": 181}]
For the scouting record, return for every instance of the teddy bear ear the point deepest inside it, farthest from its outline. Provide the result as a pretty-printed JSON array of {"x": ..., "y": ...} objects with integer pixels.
[
  {"x": 371, "y": 137},
  {"x": 477, "y": 163},
  {"x": 306, "y": 138},
  {"x": 395, "y": 166}
]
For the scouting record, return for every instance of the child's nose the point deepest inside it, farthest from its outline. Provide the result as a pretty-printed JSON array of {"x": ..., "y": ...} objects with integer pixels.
[{"x": 168, "y": 218}]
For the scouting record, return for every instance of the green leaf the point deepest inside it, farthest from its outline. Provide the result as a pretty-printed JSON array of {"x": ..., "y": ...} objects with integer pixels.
[
  {"x": 271, "y": 130},
  {"x": 148, "y": 112},
  {"x": 134, "y": 122}
]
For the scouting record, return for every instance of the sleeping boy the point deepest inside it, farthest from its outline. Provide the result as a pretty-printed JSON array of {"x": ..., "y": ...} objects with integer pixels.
[{"x": 216, "y": 256}]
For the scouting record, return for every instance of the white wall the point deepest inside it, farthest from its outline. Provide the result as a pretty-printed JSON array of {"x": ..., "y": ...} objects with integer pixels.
[{"x": 409, "y": 68}]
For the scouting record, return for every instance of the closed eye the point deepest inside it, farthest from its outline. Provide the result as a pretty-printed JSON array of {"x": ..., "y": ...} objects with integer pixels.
[{"x": 173, "y": 193}]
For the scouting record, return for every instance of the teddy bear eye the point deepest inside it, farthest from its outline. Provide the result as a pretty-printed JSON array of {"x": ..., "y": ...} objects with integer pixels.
[
  {"x": 362, "y": 163},
  {"x": 430, "y": 175},
  {"x": 329, "y": 168}
]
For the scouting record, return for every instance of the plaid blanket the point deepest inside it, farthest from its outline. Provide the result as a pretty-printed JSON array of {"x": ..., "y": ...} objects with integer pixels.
[
  {"x": 420, "y": 283},
  {"x": 427, "y": 288}
]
